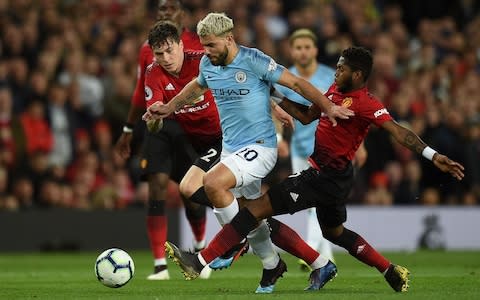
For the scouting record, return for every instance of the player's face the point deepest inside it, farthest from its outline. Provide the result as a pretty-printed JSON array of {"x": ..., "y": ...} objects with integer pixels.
[
  {"x": 304, "y": 52},
  {"x": 170, "y": 10},
  {"x": 169, "y": 56},
  {"x": 215, "y": 49},
  {"x": 343, "y": 76}
]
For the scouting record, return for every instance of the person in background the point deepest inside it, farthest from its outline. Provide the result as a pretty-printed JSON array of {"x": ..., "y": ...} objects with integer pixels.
[{"x": 303, "y": 52}]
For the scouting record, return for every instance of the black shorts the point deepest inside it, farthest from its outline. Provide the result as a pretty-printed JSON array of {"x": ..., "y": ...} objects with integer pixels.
[
  {"x": 325, "y": 190},
  {"x": 167, "y": 151},
  {"x": 209, "y": 156}
]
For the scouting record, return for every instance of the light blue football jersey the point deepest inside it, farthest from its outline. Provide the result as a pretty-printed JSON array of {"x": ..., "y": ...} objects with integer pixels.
[
  {"x": 242, "y": 94},
  {"x": 303, "y": 137}
]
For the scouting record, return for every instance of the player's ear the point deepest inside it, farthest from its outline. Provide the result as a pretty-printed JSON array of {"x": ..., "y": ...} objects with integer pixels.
[
  {"x": 229, "y": 38},
  {"x": 180, "y": 44}
]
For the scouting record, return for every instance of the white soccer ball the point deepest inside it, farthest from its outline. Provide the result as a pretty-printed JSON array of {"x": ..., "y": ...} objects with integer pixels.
[{"x": 114, "y": 268}]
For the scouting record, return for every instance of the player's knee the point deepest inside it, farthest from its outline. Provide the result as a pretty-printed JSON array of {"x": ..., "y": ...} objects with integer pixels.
[
  {"x": 331, "y": 233},
  {"x": 187, "y": 189},
  {"x": 211, "y": 185},
  {"x": 157, "y": 186}
]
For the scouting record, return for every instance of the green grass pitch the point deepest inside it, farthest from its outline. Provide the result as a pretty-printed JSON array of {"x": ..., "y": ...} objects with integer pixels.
[{"x": 434, "y": 275}]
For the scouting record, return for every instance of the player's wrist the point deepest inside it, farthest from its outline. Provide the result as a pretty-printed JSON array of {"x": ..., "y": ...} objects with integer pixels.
[
  {"x": 127, "y": 128},
  {"x": 428, "y": 153}
]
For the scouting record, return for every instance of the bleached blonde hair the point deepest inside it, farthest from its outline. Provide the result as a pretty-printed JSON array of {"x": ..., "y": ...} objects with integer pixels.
[{"x": 214, "y": 23}]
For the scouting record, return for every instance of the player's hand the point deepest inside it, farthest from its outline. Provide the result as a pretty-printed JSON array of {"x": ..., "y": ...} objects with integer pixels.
[
  {"x": 283, "y": 117},
  {"x": 122, "y": 147},
  {"x": 337, "y": 111},
  {"x": 159, "y": 110},
  {"x": 447, "y": 165}
]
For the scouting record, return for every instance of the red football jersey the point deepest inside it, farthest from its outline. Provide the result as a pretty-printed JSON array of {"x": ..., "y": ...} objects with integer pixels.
[
  {"x": 145, "y": 58},
  {"x": 335, "y": 146},
  {"x": 199, "y": 120}
]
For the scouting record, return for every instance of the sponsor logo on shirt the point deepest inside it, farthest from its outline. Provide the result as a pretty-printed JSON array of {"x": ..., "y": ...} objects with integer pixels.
[
  {"x": 380, "y": 112},
  {"x": 232, "y": 94},
  {"x": 192, "y": 108}
]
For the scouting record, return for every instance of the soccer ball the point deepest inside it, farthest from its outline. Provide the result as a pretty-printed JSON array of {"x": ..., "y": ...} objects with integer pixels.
[{"x": 114, "y": 268}]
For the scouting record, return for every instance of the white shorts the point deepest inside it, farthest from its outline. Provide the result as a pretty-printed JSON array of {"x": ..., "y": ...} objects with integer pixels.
[{"x": 250, "y": 165}]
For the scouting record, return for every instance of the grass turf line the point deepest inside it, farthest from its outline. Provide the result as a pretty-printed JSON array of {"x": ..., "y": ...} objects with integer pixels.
[{"x": 434, "y": 275}]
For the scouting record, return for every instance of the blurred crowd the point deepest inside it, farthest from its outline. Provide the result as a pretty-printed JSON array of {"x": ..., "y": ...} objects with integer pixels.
[{"x": 68, "y": 69}]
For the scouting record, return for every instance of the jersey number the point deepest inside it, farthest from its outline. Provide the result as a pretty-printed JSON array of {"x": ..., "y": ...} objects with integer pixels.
[
  {"x": 248, "y": 154},
  {"x": 211, "y": 153}
]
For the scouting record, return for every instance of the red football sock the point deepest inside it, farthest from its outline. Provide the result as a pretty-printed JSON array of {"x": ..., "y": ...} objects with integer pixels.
[
  {"x": 198, "y": 228},
  {"x": 288, "y": 239},
  {"x": 230, "y": 235},
  {"x": 225, "y": 239},
  {"x": 361, "y": 250},
  {"x": 197, "y": 220},
  {"x": 367, "y": 254},
  {"x": 157, "y": 235}
]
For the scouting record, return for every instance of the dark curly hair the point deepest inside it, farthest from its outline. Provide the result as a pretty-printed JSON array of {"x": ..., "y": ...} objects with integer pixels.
[
  {"x": 359, "y": 58},
  {"x": 163, "y": 32}
]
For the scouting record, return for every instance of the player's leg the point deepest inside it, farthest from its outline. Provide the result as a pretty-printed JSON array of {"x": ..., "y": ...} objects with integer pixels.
[
  {"x": 191, "y": 188},
  {"x": 314, "y": 237},
  {"x": 324, "y": 245},
  {"x": 245, "y": 168},
  {"x": 296, "y": 193},
  {"x": 157, "y": 171},
  {"x": 358, "y": 247},
  {"x": 189, "y": 178},
  {"x": 288, "y": 199}
]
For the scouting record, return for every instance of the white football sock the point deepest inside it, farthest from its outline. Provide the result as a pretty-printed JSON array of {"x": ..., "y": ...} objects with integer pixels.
[
  {"x": 199, "y": 244},
  {"x": 160, "y": 262},
  {"x": 313, "y": 229},
  {"x": 315, "y": 237},
  {"x": 321, "y": 261},
  {"x": 262, "y": 246},
  {"x": 225, "y": 214}
]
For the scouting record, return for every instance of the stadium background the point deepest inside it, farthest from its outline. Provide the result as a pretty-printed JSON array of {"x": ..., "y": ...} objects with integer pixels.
[{"x": 68, "y": 68}]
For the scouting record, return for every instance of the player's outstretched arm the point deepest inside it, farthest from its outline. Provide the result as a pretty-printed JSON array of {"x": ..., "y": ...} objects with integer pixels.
[
  {"x": 304, "y": 114},
  {"x": 312, "y": 94},
  {"x": 188, "y": 95},
  {"x": 409, "y": 139}
]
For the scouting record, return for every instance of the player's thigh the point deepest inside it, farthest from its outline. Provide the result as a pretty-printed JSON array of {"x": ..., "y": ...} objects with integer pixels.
[
  {"x": 249, "y": 165},
  {"x": 294, "y": 193},
  {"x": 184, "y": 157},
  {"x": 157, "y": 154},
  {"x": 193, "y": 179}
]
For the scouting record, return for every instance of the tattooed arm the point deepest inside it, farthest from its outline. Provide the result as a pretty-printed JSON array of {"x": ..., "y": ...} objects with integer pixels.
[
  {"x": 409, "y": 139},
  {"x": 187, "y": 95}
]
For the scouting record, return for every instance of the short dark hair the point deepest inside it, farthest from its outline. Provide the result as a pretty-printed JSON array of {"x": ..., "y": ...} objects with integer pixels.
[
  {"x": 359, "y": 58},
  {"x": 163, "y": 32}
]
